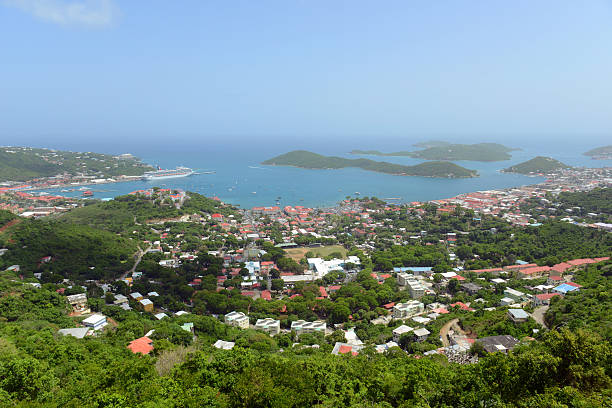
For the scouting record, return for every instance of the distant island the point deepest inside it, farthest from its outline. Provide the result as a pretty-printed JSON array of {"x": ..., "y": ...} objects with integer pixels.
[
  {"x": 600, "y": 153},
  {"x": 539, "y": 164},
  {"x": 26, "y": 163},
  {"x": 310, "y": 160},
  {"x": 437, "y": 150}
]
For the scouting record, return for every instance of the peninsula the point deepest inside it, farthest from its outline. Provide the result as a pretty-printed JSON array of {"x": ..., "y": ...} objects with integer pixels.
[
  {"x": 27, "y": 163},
  {"x": 539, "y": 164},
  {"x": 600, "y": 153},
  {"x": 485, "y": 152},
  {"x": 310, "y": 160}
]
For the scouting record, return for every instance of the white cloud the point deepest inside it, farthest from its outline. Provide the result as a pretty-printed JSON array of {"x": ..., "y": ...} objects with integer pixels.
[{"x": 90, "y": 13}]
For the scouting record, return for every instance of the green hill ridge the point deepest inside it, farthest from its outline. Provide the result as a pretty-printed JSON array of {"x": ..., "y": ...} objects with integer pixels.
[
  {"x": 310, "y": 160},
  {"x": 539, "y": 164},
  {"x": 600, "y": 152},
  {"x": 26, "y": 163},
  {"x": 446, "y": 151}
]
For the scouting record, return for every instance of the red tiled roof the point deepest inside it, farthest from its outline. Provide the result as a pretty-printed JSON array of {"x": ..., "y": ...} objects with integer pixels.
[
  {"x": 143, "y": 345},
  {"x": 345, "y": 349},
  {"x": 546, "y": 296},
  {"x": 537, "y": 269},
  {"x": 322, "y": 291},
  {"x": 266, "y": 295}
]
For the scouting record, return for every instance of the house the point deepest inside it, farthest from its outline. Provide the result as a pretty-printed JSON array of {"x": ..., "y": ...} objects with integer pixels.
[
  {"x": 345, "y": 348},
  {"x": 237, "y": 319},
  {"x": 554, "y": 280},
  {"x": 518, "y": 315},
  {"x": 95, "y": 321},
  {"x": 407, "y": 309},
  {"x": 566, "y": 287},
  {"x": 160, "y": 316},
  {"x": 399, "y": 331},
  {"x": 146, "y": 305},
  {"x": 119, "y": 299},
  {"x": 421, "y": 334},
  {"x": 224, "y": 345},
  {"x": 415, "y": 288},
  {"x": 188, "y": 327},
  {"x": 381, "y": 348},
  {"x": 470, "y": 288},
  {"x": 514, "y": 294},
  {"x": 78, "y": 332},
  {"x": 79, "y": 303},
  {"x": 268, "y": 325},
  {"x": 505, "y": 301},
  {"x": 143, "y": 345},
  {"x": 136, "y": 296},
  {"x": 543, "y": 299},
  {"x": 534, "y": 271},
  {"x": 494, "y": 344},
  {"x": 302, "y": 326}
]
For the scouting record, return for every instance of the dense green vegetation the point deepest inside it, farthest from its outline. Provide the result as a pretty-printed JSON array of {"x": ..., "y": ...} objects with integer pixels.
[
  {"x": 452, "y": 152},
  {"x": 598, "y": 200},
  {"x": 21, "y": 164},
  {"x": 600, "y": 152},
  {"x": 5, "y": 217},
  {"x": 76, "y": 251},
  {"x": 124, "y": 212},
  {"x": 309, "y": 160},
  {"x": 538, "y": 164},
  {"x": 38, "y": 367},
  {"x": 588, "y": 307}
]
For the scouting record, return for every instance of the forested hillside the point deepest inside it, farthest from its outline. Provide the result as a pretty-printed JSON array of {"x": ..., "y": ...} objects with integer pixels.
[
  {"x": 26, "y": 163},
  {"x": 75, "y": 251},
  {"x": 40, "y": 368},
  {"x": 124, "y": 212}
]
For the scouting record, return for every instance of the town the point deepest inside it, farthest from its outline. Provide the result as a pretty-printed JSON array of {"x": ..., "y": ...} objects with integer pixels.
[{"x": 366, "y": 273}]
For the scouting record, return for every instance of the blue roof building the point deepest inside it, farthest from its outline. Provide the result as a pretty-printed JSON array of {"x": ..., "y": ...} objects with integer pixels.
[{"x": 565, "y": 288}]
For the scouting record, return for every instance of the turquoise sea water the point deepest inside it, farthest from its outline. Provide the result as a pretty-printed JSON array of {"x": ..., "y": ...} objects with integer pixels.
[{"x": 240, "y": 179}]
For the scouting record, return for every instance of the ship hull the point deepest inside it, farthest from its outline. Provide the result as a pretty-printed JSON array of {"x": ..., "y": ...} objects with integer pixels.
[{"x": 169, "y": 176}]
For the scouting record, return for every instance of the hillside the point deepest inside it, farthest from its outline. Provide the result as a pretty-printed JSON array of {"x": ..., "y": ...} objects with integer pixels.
[
  {"x": 536, "y": 165},
  {"x": 604, "y": 152},
  {"x": 309, "y": 160},
  {"x": 25, "y": 163},
  {"x": 441, "y": 151},
  {"x": 77, "y": 251},
  {"x": 122, "y": 213}
]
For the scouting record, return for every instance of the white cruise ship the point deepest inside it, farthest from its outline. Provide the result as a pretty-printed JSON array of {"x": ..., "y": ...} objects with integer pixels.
[{"x": 166, "y": 174}]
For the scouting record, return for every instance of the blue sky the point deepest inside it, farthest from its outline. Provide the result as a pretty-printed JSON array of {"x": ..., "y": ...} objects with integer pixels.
[{"x": 346, "y": 69}]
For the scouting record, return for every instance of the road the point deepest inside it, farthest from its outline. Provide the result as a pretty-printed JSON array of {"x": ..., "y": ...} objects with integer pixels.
[
  {"x": 538, "y": 314},
  {"x": 139, "y": 254},
  {"x": 444, "y": 331}
]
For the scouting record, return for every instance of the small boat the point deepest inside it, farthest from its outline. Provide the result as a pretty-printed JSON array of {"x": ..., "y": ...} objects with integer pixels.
[
  {"x": 87, "y": 193},
  {"x": 253, "y": 192}
]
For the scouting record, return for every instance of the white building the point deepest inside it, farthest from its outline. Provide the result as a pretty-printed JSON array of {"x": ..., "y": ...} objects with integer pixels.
[
  {"x": 421, "y": 334},
  {"x": 96, "y": 321},
  {"x": 416, "y": 289},
  {"x": 398, "y": 331},
  {"x": 268, "y": 325},
  {"x": 237, "y": 319},
  {"x": 224, "y": 345},
  {"x": 302, "y": 326},
  {"x": 410, "y": 308}
]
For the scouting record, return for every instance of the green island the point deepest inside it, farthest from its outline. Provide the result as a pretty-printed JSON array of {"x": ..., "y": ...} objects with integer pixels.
[
  {"x": 446, "y": 151},
  {"x": 539, "y": 164},
  {"x": 604, "y": 152},
  {"x": 310, "y": 160},
  {"x": 26, "y": 163}
]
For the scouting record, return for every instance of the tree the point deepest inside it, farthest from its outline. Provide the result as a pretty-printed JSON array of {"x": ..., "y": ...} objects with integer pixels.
[
  {"x": 278, "y": 284},
  {"x": 453, "y": 286}
]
